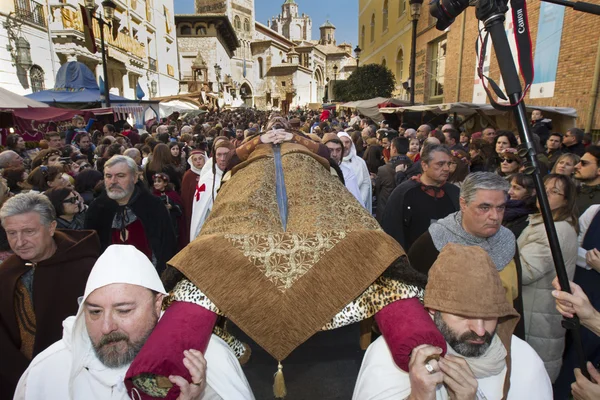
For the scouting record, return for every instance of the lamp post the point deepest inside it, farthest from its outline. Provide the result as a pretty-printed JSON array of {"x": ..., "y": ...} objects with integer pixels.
[
  {"x": 415, "y": 13},
  {"x": 357, "y": 51},
  {"x": 218, "y": 77},
  {"x": 108, "y": 7},
  {"x": 153, "y": 88},
  {"x": 335, "y": 70}
]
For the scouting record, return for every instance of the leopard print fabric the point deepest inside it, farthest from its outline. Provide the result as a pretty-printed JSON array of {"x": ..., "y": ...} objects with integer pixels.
[{"x": 382, "y": 292}]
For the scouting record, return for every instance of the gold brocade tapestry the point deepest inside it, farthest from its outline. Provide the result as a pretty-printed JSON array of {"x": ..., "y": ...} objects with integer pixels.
[{"x": 282, "y": 286}]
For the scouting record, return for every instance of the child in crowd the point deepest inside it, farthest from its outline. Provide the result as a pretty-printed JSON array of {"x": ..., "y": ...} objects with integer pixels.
[{"x": 413, "y": 150}]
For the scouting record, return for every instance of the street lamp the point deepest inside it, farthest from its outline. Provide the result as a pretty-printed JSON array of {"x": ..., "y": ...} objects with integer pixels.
[
  {"x": 357, "y": 51},
  {"x": 218, "y": 76},
  {"x": 415, "y": 13},
  {"x": 335, "y": 70},
  {"x": 108, "y": 7},
  {"x": 153, "y": 88}
]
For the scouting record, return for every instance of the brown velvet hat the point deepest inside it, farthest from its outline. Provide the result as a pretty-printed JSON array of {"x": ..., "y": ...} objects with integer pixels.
[{"x": 464, "y": 281}]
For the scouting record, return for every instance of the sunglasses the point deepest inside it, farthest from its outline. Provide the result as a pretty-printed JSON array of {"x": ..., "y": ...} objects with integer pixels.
[
  {"x": 506, "y": 160},
  {"x": 72, "y": 200}
]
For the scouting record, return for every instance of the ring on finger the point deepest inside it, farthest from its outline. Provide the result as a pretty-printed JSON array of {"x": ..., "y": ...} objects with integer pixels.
[{"x": 429, "y": 368}]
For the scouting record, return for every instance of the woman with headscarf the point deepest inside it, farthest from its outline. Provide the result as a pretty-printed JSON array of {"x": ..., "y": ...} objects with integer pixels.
[
  {"x": 360, "y": 169},
  {"x": 190, "y": 187}
]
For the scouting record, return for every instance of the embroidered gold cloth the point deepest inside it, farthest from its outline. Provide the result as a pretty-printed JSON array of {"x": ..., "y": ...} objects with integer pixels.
[{"x": 281, "y": 287}]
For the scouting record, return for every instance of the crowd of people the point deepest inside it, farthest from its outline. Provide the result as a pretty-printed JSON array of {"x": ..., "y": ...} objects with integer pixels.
[{"x": 100, "y": 214}]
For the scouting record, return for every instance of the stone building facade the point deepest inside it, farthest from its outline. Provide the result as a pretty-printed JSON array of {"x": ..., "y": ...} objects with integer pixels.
[
  {"x": 143, "y": 50},
  {"x": 259, "y": 66}
]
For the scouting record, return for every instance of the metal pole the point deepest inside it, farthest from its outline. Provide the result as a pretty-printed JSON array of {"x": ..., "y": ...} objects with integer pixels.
[
  {"x": 101, "y": 24},
  {"x": 495, "y": 26},
  {"x": 413, "y": 61}
]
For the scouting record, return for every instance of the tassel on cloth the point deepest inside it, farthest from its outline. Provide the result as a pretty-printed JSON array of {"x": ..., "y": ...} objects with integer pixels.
[{"x": 279, "y": 389}]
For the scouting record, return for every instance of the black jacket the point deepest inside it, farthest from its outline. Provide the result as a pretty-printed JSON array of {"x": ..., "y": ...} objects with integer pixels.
[
  {"x": 153, "y": 215},
  {"x": 395, "y": 221}
]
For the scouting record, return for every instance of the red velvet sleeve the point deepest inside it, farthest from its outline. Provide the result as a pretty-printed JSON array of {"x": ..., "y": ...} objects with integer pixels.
[
  {"x": 405, "y": 324},
  {"x": 183, "y": 326}
]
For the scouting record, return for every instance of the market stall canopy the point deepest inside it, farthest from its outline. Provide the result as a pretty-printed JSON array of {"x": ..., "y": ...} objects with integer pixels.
[
  {"x": 472, "y": 108},
  {"x": 370, "y": 108},
  {"x": 12, "y": 100},
  {"x": 75, "y": 83},
  {"x": 169, "y": 107}
]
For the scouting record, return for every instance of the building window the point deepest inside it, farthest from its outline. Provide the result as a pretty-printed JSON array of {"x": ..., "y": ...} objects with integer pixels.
[
  {"x": 36, "y": 76},
  {"x": 402, "y": 8},
  {"x": 362, "y": 37},
  {"x": 399, "y": 65},
  {"x": 372, "y": 27},
  {"x": 201, "y": 31},
  {"x": 261, "y": 72},
  {"x": 385, "y": 16},
  {"x": 186, "y": 30},
  {"x": 133, "y": 80},
  {"x": 246, "y": 25},
  {"x": 437, "y": 50},
  {"x": 237, "y": 22}
]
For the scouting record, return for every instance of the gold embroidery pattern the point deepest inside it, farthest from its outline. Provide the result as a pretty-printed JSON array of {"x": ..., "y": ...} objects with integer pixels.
[{"x": 285, "y": 258}]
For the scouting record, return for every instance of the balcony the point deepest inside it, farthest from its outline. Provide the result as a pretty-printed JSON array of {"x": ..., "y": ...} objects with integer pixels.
[
  {"x": 152, "y": 64},
  {"x": 30, "y": 11}
]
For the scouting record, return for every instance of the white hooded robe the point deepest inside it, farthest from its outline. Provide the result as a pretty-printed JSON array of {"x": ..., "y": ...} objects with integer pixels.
[{"x": 70, "y": 370}]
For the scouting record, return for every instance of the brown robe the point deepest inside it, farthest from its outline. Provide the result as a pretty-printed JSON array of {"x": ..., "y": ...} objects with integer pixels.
[
  {"x": 57, "y": 283},
  {"x": 188, "y": 190}
]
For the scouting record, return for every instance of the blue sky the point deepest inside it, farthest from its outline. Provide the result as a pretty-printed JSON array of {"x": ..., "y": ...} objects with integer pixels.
[{"x": 342, "y": 13}]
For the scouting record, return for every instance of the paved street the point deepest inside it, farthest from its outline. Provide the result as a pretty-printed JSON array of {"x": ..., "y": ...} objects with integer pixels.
[{"x": 323, "y": 368}]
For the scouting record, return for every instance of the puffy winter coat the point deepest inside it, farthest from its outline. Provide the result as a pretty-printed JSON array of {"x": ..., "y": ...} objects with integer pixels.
[{"x": 543, "y": 329}]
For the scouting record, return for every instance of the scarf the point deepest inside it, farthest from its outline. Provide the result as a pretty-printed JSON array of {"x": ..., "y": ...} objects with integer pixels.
[
  {"x": 500, "y": 247},
  {"x": 589, "y": 190},
  {"x": 517, "y": 208},
  {"x": 434, "y": 191},
  {"x": 125, "y": 215},
  {"x": 491, "y": 363},
  {"x": 195, "y": 170}
]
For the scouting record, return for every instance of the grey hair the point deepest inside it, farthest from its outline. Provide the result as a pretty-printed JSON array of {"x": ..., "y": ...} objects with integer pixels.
[
  {"x": 6, "y": 157},
  {"x": 118, "y": 159},
  {"x": 482, "y": 181},
  {"x": 429, "y": 149},
  {"x": 132, "y": 153},
  {"x": 24, "y": 203}
]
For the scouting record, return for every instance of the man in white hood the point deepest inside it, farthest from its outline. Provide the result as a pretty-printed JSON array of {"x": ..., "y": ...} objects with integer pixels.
[
  {"x": 118, "y": 311},
  {"x": 209, "y": 184},
  {"x": 359, "y": 167}
]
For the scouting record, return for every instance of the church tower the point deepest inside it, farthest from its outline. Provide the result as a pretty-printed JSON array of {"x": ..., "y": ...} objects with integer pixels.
[
  {"x": 290, "y": 24},
  {"x": 327, "y": 33},
  {"x": 289, "y": 9}
]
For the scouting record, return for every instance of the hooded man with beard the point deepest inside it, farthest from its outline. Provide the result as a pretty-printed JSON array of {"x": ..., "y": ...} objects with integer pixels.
[
  {"x": 119, "y": 309},
  {"x": 466, "y": 300}
]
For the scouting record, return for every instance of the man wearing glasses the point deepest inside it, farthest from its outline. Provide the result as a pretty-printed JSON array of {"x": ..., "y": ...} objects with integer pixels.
[{"x": 587, "y": 171}]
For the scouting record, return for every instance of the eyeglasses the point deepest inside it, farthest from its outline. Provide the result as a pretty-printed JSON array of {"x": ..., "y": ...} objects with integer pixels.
[
  {"x": 585, "y": 163},
  {"x": 72, "y": 200},
  {"x": 506, "y": 160},
  {"x": 554, "y": 192}
]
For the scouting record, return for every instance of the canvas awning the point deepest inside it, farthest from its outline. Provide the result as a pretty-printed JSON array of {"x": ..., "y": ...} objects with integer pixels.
[
  {"x": 10, "y": 100},
  {"x": 467, "y": 109}
]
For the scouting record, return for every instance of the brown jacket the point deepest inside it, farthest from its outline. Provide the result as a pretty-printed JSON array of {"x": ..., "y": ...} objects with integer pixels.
[{"x": 57, "y": 283}]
